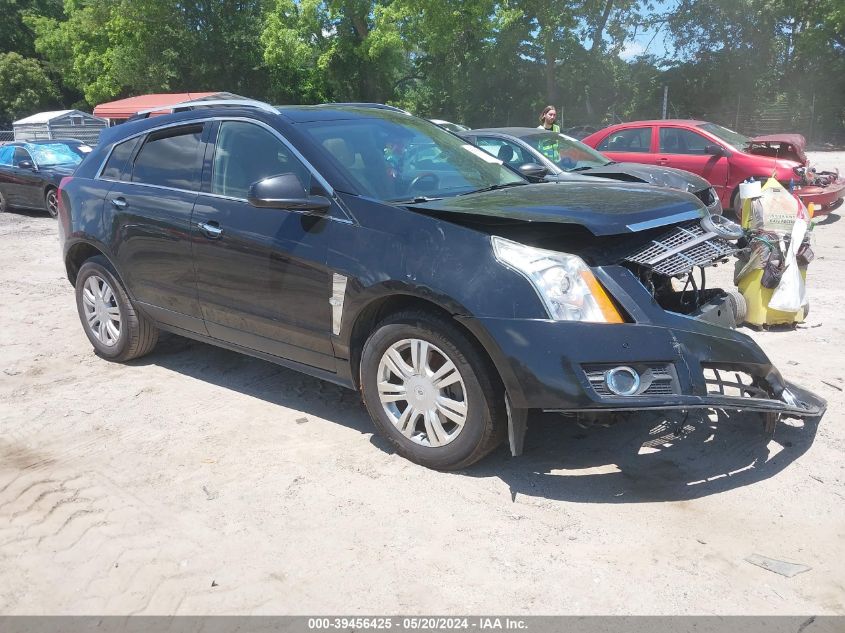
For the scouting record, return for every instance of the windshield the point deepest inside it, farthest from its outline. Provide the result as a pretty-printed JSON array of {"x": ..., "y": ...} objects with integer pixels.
[
  {"x": 729, "y": 136},
  {"x": 57, "y": 154},
  {"x": 394, "y": 157},
  {"x": 566, "y": 153}
]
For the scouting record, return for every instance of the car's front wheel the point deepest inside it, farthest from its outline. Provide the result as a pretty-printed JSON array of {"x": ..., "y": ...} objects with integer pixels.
[
  {"x": 116, "y": 330},
  {"x": 51, "y": 201},
  {"x": 431, "y": 392}
]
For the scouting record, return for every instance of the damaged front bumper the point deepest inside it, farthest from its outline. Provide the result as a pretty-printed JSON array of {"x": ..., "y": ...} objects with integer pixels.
[
  {"x": 825, "y": 199},
  {"x": 679, "y": 362}
]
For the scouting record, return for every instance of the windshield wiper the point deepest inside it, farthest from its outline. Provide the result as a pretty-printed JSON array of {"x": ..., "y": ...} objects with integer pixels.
[
  {"x": 493, "y": 188},
  {"x": 416, "y": 199},
  {"x": 580, "y": 168}
]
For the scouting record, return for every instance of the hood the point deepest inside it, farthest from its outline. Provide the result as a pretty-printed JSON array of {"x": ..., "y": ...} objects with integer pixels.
[
  {"x": 652, "y": 175},
  {"x": 786, "y": 146},
  {"x": 602, "y": 207},
  {"x": 60, "y": 170}
]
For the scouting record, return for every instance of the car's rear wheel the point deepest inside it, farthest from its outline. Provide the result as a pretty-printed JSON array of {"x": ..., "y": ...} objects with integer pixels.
[
  {"x": 116, "y": 330},
  {"x": 51, "y": 201},
  {"x": 431, "y": 392},
  {"x": 4, "y": 204}
]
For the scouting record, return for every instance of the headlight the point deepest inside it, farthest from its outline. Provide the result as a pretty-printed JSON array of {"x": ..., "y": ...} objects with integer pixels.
[{"x": 564, "y": 283}]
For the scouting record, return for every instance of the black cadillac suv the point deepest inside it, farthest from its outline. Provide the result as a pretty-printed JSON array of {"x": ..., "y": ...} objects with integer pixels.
[{"x": 370, "y": 248}]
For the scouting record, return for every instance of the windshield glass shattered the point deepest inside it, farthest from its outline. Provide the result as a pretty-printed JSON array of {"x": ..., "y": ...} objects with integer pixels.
[{"x": 56, "y": 154}]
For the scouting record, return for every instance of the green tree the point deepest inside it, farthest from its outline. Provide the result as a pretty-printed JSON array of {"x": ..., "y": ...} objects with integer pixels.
[
  {"x": 15, "y": 35},
  {"x": 24, "y": 88},
  {"x": 113, "y": 48},
  {"x": 293, "y": 38}
]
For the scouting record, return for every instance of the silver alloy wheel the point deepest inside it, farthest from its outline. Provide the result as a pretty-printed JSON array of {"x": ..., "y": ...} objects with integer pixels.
[
  {"x": 102, "y": 314},
  {"x": 52, "y": 203},
  {"x": 422, "y": 392}
]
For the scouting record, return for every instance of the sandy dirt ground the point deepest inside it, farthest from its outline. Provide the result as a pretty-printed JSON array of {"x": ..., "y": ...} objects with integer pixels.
[{"x": 200, "y": 481}]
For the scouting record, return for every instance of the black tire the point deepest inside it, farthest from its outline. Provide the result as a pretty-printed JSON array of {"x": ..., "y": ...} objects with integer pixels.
[
  {"x": 735, "y": 211},
  {"x": 485, "y": 424},
  {"x": 51, "y": 201},
  {"x": 4, "y": 204},
  {"x": 137, "y": 334},
  {"x": 739, "y": 305}
]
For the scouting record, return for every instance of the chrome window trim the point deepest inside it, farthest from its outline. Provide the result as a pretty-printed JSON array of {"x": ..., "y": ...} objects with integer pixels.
[
  {"x": 285, "y": 142},
  {"x": 342, "y": 220}
]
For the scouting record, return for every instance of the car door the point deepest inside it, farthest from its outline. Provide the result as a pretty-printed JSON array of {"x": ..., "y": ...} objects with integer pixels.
[
  {"x": 6, "y": 174},
  {"x": 148, "y": 214},
  {"x": 24, "y": 181},
  {"x": 631, "y": 144},
  {"x": 262, "y": 277},
  {"x": 685, "y": 149}
]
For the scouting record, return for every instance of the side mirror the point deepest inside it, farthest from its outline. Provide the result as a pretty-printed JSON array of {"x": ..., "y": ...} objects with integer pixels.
[
  {"x": 533, "y": 171},
  {"x": 285, "y": 191},
  {"x": 26, "y": 164},
  {"x": 715, "y": 150}
]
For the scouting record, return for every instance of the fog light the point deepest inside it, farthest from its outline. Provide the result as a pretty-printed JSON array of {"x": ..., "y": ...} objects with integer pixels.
[{"x": 622, "y": 381}]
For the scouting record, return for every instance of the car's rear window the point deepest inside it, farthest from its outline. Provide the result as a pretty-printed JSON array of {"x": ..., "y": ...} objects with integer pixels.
[
  {"x": 117, "y": 167},
  {"x": 168, "y": 158}
]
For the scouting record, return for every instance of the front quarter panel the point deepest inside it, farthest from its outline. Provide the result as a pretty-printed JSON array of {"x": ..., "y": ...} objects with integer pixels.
[{"x": 396, "y": 251}]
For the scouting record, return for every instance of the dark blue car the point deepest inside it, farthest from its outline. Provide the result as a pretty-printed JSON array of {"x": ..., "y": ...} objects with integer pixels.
[{"x": 30, "y": 172}]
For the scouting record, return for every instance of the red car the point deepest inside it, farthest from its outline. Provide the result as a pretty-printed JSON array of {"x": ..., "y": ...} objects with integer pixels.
[{"x": 723, "y": 157}]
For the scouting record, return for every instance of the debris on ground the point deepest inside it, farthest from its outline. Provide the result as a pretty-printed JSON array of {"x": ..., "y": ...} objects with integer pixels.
[{"x": 778, "y": 566}]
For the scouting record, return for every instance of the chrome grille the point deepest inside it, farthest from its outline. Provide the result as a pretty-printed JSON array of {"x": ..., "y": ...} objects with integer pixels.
[
  {"x": 682, "y": 248},
  {"x": 655, "y": 380}
]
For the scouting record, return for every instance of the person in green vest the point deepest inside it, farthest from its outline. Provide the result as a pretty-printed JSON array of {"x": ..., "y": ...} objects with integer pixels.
[
  {"x": 549, "y": 146},
  {"x": 547, "y": 119}
]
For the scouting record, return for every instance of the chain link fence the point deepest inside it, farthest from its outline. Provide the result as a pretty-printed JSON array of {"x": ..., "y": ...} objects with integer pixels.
[
  {"x": 6, "y": 136},
  {"x": 821, "y": 125}
]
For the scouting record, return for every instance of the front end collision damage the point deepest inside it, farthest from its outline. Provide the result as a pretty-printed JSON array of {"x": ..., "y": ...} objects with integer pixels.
[
  {"x": 545, "y": 364},
  {"x": 548, "y": 365}
]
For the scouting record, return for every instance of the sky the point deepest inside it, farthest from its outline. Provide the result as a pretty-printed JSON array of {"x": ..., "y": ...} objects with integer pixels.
[{"x": 651, "y": 41}]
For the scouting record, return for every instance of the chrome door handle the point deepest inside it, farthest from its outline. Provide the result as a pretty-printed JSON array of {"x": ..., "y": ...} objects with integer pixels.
[
  {"x": 211, "y": 229},
  {"x": 120, "y": 203}
]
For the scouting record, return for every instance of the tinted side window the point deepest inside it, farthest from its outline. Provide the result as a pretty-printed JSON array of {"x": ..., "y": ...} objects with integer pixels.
[
  {"x": 6, "y": 155},
  {"x": 20, "y": 155},
  {"x": 636, "y": 139},
  {"x": 169, "y": 158},
  {"x": 677, "y": 141},
  {"x": 246, "y": 153},
  {"x": 117, "y": 166},
  {"x": 505, "y": 151}
]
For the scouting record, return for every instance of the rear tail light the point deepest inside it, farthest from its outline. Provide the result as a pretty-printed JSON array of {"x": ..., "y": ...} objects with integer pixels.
[{"x": 64, "y": 183}]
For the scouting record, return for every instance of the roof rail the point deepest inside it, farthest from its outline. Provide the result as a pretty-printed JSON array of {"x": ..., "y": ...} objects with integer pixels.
[
  {"x": 377, "y": 106},
  {"x": 197, "y": 103}
]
